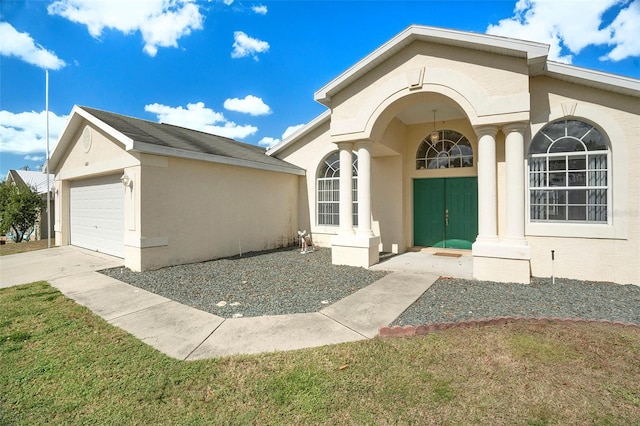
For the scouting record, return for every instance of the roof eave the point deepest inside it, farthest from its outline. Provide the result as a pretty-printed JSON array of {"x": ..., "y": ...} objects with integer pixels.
[
  {"x": 306, "y": 129},
  {"x": 211, "y": 158},
  {"x": 611, "y": 82}
]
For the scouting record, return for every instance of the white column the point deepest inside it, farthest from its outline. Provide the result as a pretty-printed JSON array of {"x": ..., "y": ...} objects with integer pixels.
[
  {"x": 487, "y": 192},
  {"x": 514, "y": 156},
  {"x": 363, "y": 148},
  {"x": 346, "y": 194}
]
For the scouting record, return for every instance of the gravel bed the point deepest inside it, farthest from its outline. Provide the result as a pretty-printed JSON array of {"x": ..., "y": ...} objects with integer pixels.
[
  {"x": 287, "y": 282},
  {"x": 452, "y": 300},
  {"x": 266, "y": 283}
]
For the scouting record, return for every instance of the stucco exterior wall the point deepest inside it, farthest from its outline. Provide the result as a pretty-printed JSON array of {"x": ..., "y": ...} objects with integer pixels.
[
  {"x": 608, "y": 252},
  {"x": 192, "y": 211}
]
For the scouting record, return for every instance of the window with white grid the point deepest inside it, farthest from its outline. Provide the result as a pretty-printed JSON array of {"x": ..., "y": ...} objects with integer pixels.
[
  {"x": 328, "y": 190},
  {"x": 569, "y": 174},
  {"x": 449, "y": 149}
]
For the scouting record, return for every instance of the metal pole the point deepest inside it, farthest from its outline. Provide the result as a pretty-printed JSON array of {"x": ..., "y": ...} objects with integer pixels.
[
  {"x": 47, "y": 162},
  {"x": 553, "y": 272}
]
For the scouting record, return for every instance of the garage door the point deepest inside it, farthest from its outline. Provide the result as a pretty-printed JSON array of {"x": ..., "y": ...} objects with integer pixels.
[{"x": 97, "y": 215}]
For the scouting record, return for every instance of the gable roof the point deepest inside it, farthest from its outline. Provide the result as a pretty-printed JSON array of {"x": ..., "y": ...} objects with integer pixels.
[
  {"x": 34, "y": 179},
  {"x": 165, "y": 139},
  {"x": 534, "y": 53}
]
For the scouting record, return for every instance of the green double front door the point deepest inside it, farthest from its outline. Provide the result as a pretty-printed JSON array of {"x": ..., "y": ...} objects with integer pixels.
[{"x": 445, "y": 212}]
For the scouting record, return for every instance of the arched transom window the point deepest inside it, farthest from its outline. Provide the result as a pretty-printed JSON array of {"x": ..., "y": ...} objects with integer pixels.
[
  {"x": 328, "y": 190},
  {"x": 569, "y": 174},
  {"x": 450, "y": 149}
]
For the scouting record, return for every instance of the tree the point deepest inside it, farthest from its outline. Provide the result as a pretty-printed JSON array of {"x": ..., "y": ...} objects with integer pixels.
[{"x": 19, "y": 209}]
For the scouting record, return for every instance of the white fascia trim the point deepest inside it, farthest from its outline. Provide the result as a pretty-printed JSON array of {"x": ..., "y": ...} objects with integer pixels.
[
  {"x": 490, "y": 43},
  {"x": 181, "y": 153},
  {"x": 627, "y": 85},
  {"x": 307, "y": 128},
  {"x": 72, "y": 126}
]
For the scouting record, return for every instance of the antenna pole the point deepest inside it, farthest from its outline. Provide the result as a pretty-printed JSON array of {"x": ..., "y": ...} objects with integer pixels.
[{"x": 47, "y": 162}]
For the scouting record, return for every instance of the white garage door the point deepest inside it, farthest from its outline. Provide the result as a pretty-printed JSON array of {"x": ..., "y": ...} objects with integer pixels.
[{"x": 97, "y": 214}]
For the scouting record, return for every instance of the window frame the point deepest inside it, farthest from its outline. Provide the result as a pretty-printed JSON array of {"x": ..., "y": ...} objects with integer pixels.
[
  {"x": 444, "y": 136},
  {"x": 333, "y": 184},
  {"x": 569, "y": 226}
]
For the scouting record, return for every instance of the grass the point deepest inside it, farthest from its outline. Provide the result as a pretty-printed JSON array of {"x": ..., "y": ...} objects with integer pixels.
[
  {"x": 24, "y": 246},
  {"x": 62, "y": 364}
]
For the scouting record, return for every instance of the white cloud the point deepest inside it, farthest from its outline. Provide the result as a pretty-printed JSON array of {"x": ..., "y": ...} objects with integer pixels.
[
  {"x": 198, "y": 117},
  {"x": 291, "y": 130},
  {"x": 34, "y": 157},
  {"x": 249, "y": 105},
  {"x": 570, "y": 26},
  {"x": 626, "y": 33},
  {"x": 228, "y": 2},
  {"x": 270, "y": 142},
  {"x": 22, "y": 46},
  {"x": 160, "y": 22},
  {"x": 25, "y": 132},
  {"x": 260, "y": 10},
  {"x": 244, "y": 45}
]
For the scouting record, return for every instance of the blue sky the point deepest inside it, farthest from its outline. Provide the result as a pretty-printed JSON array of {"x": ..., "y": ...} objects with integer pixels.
[{"x": 247, "y": 69}]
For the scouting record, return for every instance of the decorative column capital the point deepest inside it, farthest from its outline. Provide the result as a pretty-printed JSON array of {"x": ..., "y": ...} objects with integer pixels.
[
  {"x": 519, "y": 127},
  {"x": 363, "y": 143},
  {"x": 348, "y": 146},
  {"x": 486, "y": 130}
]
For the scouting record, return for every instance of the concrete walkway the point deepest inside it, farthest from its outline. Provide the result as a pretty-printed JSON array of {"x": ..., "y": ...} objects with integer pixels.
[
  {"x": 187, "y": 333},
  {"x": 443, "y": 262}
]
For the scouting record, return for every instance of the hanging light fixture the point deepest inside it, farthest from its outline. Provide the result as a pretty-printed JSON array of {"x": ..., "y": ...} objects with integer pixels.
[{"x": 434, "y": 136}]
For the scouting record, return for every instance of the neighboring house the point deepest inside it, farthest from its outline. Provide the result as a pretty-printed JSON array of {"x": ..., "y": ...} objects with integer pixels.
[
  {"x": 453, "y": 140},
  {"x": 38, "y": 182}
]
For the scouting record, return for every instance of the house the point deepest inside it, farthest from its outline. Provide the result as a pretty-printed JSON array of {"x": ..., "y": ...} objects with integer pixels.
[
  {"x": 41, "y": 183},
  {"x": 457, "y": 139},
  {"x": 453, "y": 140},
  {"x": 159, "y": 195}
]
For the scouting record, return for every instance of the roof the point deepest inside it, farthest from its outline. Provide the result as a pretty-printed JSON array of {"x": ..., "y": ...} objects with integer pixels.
[
  {"x": 169, "y": 140},
  {"x": 534, "y": 53},
  {"x": 34, "y": 179},
  {"x": 592, "y": 78}
]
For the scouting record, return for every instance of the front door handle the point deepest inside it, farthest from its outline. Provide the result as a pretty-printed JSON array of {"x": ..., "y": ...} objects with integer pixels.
[{"x": 446, "y": 217}]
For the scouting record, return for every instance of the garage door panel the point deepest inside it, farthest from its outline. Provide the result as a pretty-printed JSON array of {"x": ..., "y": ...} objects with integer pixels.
[{"x": 97, "y": 215}]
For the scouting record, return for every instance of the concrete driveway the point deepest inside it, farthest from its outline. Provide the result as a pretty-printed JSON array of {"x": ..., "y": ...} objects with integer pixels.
[{"x": 50, "y": 264}]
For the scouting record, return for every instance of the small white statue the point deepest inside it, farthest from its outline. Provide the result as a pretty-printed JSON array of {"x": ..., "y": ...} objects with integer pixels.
[{"x": 306, "y": 245}]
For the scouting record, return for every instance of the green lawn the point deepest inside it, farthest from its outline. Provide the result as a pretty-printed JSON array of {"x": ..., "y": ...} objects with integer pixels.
[{"x": 61, "y": 364}]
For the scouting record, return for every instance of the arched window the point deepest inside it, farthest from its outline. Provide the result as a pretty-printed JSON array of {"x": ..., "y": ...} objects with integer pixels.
[
  {"x": 328, "y": 190},
  {"x": 568, "y": 173},
  {"x": 450, "y": 149}
]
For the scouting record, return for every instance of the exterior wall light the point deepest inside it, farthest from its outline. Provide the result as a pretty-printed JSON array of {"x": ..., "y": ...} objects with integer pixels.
[{"x": 126, "y": 181}]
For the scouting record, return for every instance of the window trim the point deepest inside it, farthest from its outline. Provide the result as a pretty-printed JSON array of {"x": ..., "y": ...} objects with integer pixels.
[
  {"x": 455, "y": 143},
  {"x": 616, "y": 226},
  {"x": 336, "y": 201}
]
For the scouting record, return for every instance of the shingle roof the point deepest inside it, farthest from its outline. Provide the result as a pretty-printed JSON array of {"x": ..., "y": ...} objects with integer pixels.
[{"x": 179, "y": 138}]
